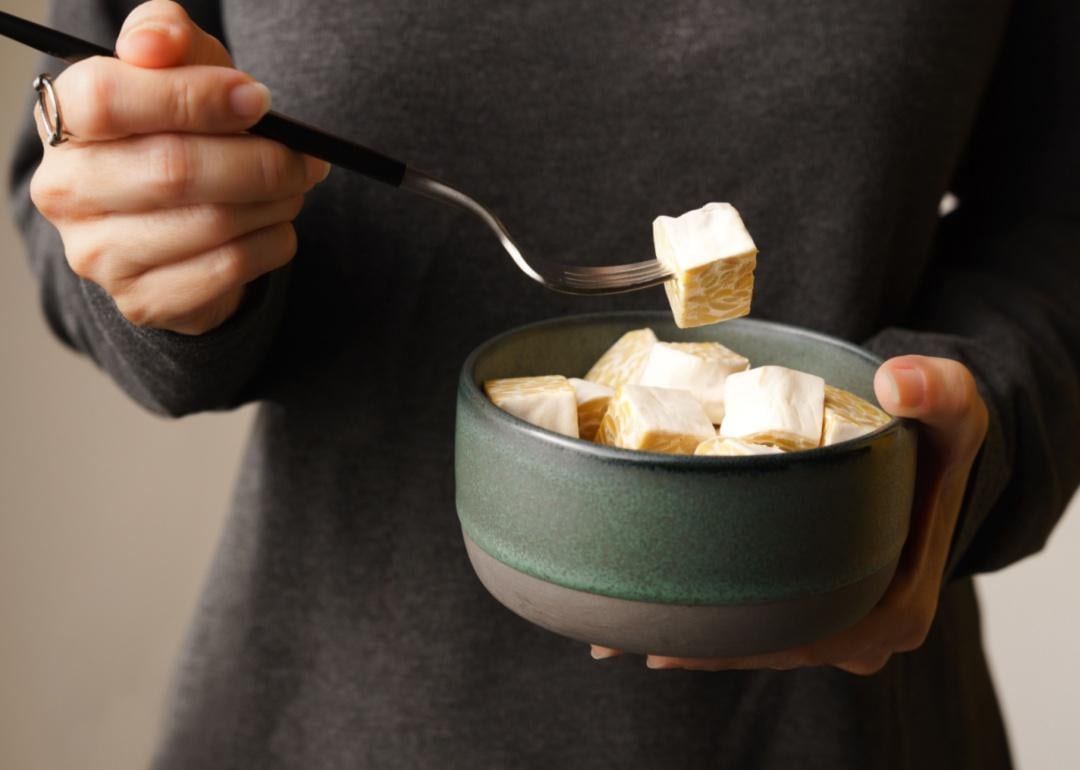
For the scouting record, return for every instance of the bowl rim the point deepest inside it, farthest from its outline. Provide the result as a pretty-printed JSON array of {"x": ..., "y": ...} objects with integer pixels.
[{"x": 473, "y": 391}]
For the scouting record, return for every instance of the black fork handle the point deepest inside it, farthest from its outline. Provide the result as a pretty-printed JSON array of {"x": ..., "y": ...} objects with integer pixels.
[{"x": 280, "y": 128}]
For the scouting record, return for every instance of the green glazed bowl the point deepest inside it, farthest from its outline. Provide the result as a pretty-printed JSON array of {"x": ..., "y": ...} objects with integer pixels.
[{"x": 677, "y": 554}]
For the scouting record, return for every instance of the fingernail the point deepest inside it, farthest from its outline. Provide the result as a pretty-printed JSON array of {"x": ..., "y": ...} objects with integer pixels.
[
  {"x": 317, "y": 169},
  {"x": 652, "y": 662},
  {"x": 249, "y": 100},
  {"x": 168, "y": 30},
  {"x": 600, "y": 653},
  {"x": 908, "y": 386}
]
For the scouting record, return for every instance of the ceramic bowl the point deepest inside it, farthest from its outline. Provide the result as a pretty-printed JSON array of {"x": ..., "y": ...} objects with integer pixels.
[{"x": 677, "y": 554}]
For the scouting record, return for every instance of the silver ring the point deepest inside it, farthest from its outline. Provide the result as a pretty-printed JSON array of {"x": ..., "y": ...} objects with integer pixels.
[{"x": 52, "y": 120}]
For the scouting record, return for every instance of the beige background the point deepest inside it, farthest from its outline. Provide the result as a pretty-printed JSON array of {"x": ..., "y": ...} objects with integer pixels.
[{"x": 108, "y": 517}]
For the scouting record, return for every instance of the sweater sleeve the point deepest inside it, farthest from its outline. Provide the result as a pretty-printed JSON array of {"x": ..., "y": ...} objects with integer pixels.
[
  {"x": 167, "y": 373},
  {"x": 1002, "y": 294}
]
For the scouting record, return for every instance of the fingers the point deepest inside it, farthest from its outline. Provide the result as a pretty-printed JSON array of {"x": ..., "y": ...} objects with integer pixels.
[
  {"x": 599, "y": 653},
  {"x": 161, "y": 34},
  {"x": 104, "y": 98},
  {"x": 181, "y": 289},
  {"x": 864, "y": 665},
  {"x": 209, "y": 316},
  {"x": 110, "y": 249},
  {"x": 170, "y": 170},
  {"x": 158, "y": 196},
  {"x": 941, "y": 394},
  {"x": 780, "y": 661}
]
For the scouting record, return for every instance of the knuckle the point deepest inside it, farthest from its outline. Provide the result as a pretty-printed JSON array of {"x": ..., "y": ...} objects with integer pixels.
[
  {"x": 289, "y": 241},
  {"x": 283, "y": 245},
  {"x": 217, "y": 218},
  {"x": 171, "y": 167},
  {"x": 134, "y": 308},
  {"x": 274, "y": 167},
  {"x": 88, "y": 94},
  {"x": 186, "y": 103},
  {"x": 50, "y": 194},
  {"x": 214, "y": 219},
  {"x": 227, "y": 266},
  {"x": 958, "y": 385},
  {"x": 84, "y": 258}
]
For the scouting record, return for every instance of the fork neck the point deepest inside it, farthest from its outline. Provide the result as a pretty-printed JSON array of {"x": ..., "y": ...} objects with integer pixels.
[{"x": 424, "y": 184}]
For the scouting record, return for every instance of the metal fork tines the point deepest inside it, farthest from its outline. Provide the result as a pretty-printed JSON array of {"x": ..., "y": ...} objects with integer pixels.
[{"x": 611, "y": 279}]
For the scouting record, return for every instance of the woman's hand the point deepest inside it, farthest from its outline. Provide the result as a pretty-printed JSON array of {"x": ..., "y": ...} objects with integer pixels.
[
  {"x": 158, "y": 197},
  {"x": 942, "y": 396}
]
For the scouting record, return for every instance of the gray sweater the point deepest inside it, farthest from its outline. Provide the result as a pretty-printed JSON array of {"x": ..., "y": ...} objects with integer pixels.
[{"x": 341, "y": 625}]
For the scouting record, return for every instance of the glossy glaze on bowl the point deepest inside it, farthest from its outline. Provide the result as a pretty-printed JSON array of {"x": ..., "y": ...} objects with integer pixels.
[{"x": 706, "y": 532}]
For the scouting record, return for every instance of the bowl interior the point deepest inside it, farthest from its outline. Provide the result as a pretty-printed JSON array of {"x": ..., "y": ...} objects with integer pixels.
[{"x": 569, "y": 346}]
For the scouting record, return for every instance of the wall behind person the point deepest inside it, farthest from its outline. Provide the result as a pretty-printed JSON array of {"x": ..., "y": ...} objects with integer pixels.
[{"x": 108, "y": 517}]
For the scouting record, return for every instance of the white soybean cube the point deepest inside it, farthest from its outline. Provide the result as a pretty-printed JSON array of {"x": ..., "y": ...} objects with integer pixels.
[
  {"x": 548, "y": 402},
  {"x": 712, "y": 258},
  {"x": 700, "y": 367},
  {"x": 622, "y": 363},
  {"x": 847, "y": 416},
  {"x": 592, "y": 402},
  {"x": 774, "y": 405},
  {"x": 654, "y": 420},
  {"x": 733, "y": 447}
]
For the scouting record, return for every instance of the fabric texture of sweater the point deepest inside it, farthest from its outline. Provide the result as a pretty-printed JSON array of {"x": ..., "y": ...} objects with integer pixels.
[{"x": 341, "y": 625}]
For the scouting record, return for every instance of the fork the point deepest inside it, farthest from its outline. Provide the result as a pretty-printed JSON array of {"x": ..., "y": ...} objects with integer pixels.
[{"x": 610, "y": 279}]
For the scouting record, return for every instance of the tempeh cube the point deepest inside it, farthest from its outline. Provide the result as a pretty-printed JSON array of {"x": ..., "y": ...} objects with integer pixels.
[
  {"x": 654, "y": 420},
  {"x": 623, "y": 361},
  {"x": 733, "y": 447},
  {"x": 774, "y": 405},
  {"x": 847, "y": 416},
  {"x": 548, "y": 402},
  {"x": 592, "y": 402},
  {"x": 700, "y": 367},
  {"x": 712, "y": 257}
]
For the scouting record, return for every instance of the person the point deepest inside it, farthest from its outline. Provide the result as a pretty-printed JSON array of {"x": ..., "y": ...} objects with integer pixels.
[{"x": 202, "y": 268}]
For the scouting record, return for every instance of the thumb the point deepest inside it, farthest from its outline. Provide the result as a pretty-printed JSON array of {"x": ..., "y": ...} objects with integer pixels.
[
  {"x": 159, "y": 33},
  {"x": 941, "y": 394}
]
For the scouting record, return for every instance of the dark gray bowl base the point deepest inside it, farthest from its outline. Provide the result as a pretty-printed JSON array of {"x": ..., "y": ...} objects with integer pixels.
[{"x": 691, "y": 631}]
